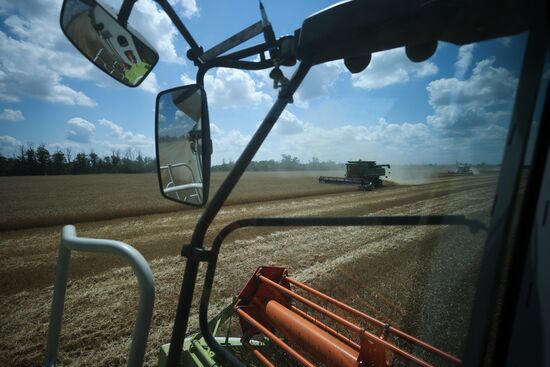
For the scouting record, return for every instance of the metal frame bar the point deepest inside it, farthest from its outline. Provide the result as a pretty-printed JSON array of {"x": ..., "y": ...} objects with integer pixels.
[
  {"x": 502, "y": 238},
  {"x": 196, "y": 52},
  {"x": 364, "y": 316},
  {"x": 513, "y": 299},
  {"x": 191, "y": 268},
  {"x": 326, "y": 328},
  {"x": 258, "y": 355},
  {"x": 174, "y": 188},
  {"x": 182, "y": 187},
  {"x": 529, "y": 274},
  {"x": 233, "y": 41},
  {"x": 70, "y": 242},
  {"x": 474, "y": 225},
  {"x": 274, "y": 338},
  {"x": 340, "y": 320}
]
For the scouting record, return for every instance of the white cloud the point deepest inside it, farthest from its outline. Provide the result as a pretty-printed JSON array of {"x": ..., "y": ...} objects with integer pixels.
[
  {"x": 127, "y": 139},
  {"x": 318, "y": 82},
  {"x": 36, "y": 21},
  {"x": 464, "y": 60},
  {"x": 370, "y": 140},
  {"x": 505, "y": 41},
  {"x": 387, "y": 142},
  {"x": 39, "y": 76},
  {"x": 9, "y": 145},
  {"x": 84, "y": 136},
  {"x": 37, "y": 58},
  {"x": 227, "y": 145},
  {"x": 189, "y": 7},
  {"x": 382, "y": 140},
  {"x": 186, "y": 79},
  {"x": 458, "y": 120},
  {"x": 488, "y": 85},
  {"x": 391, "y": 67},
  {"x": 35, "y": 61},
  {"x": 469, "y": 122},
  {"x": 157, "y": 28},
  {"x": 233, "y": 88},
  {"x": 491, "y": 132},
  {"x": 80, "y": 130},
  {"x": 150, "y": 84},
  {"x": 11, "y": 115},
  {"x": 215, "y": 129},
  {"x": 119, "y": 131},
  {"x": 288, "y": 124},
  {"x": 485, "y": 98}
]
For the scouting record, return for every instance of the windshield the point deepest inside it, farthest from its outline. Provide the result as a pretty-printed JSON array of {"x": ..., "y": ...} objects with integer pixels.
[
  {"x": 400, "y": 138},
  {"x": 397, "y": 139}
]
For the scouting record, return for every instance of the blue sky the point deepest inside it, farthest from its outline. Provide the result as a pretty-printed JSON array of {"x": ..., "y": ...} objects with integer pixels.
[{"x": 454, "y": 106}]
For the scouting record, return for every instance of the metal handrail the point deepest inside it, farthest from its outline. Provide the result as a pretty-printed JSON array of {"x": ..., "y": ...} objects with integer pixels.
[
  {"x": 182, "y": 187},
  {"x": 70, "y": 242}
]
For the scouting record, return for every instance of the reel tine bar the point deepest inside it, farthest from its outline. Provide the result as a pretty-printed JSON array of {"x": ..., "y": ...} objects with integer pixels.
[{"x": 266, "y": 305}]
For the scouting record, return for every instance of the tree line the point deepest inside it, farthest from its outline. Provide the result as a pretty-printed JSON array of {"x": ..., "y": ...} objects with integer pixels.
[
  {"x": 40, "y": 161},
  {"x": 32, "y": 161},
  {"x": 287, "y": 163}
]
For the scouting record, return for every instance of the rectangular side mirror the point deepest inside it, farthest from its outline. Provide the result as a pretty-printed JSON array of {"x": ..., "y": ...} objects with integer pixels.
[
  {"x": 182, "y": 135},
  {"x": 118, "y": 51}
]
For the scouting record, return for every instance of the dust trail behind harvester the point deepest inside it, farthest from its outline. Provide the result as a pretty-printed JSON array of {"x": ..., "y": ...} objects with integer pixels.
[{"x": 415, "y": 175}]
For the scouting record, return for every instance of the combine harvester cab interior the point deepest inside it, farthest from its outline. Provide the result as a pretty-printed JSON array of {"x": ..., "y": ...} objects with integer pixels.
[{"x": 313, "y": 328}]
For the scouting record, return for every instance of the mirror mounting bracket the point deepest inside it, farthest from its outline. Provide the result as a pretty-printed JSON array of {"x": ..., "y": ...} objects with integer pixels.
[
  {"x": 125, "y": 10},
  {"x": 195, "y": 50},
  {"x": 281, "y": 51},
  {"x": 198, "y": 254}
]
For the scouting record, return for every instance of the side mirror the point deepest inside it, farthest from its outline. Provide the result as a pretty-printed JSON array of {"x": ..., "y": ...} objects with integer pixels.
[
  {"x": 183, "y": 144},
  {"x": 112, "y": 47}
]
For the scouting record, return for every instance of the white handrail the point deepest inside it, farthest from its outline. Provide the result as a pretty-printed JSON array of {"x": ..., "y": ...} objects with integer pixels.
[
  {"x": 183, "y": 187},
  {"x": 69, "y": 242}
]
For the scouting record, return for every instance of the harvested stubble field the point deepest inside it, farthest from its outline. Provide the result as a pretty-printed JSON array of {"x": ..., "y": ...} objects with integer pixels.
[
  {"x": 419, "y": 278},
  {"x": 29, "y": 202}
]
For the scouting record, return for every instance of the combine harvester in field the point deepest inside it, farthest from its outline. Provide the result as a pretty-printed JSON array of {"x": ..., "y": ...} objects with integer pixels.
[
  {"x": 287, "y": 313},
  {"x": 366, "y": 174},
  {"x": 462, "y": 169}
]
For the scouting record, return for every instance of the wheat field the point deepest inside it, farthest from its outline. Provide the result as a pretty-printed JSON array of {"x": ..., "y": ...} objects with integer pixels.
[
  {"x": 418, "y": 278},
  {"x": 38, "y": 201}
]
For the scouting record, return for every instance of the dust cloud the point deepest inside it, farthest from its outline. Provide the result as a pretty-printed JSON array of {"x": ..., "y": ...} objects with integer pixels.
[{"x": 417, "y": 175}]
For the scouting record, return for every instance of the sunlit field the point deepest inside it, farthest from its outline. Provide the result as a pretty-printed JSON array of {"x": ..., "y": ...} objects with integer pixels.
[{"x": 409, "y": 276}]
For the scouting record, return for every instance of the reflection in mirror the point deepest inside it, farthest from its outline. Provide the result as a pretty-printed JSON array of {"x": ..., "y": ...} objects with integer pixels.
[
  {"x": 179, "y": 144},
  {"x": 110, "y": 46}
]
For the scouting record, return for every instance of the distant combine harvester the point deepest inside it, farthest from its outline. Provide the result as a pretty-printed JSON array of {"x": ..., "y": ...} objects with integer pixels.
[
  {"x": 462, "y": 169},
  {"x": 366, "y": 174}
]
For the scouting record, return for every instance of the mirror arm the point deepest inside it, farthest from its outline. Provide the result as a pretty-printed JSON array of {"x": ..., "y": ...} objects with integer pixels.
[
  {"x": 233, "y": 60},
  {"x": 233, "y": 41},
  {"x": 195, "y": 51},
  {"x": 125, "y": 10},
  {"x": 258, "y": 49},
  {"x": 286, "y": 52}
]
